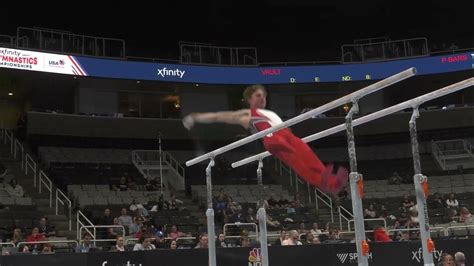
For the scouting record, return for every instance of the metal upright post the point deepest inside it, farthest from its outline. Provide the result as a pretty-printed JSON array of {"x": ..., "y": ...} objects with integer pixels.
[
  {"x": 262, "y": 218},
  {"x": 421, "y": 190},
  {"x": 211, "y": 234},
  {"x": 161, "y": 166},
  {"x": 356, "y": 184}
]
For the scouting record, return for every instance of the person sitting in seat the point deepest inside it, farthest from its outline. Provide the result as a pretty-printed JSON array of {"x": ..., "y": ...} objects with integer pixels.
[{"x": 14, "y": 189}]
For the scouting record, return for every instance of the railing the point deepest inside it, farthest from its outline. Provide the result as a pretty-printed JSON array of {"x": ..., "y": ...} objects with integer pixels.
[
  {"x": 48, "y": 242},
  {"x": 346, "y": 215},
  {"x": 432, "y": 229},
  {"x": 29, "y": 162},
  {"x": 173, "y": 163},
  {"x": 39, "y": 179},
  {"x": 7, "y": 40},
  {"x": 67, "y": 42},
  {"x": 384, "y": 50},
  {"x": 94, "y": 236},
  {"x": 453, "y": 228},
  {"x": 368, "y": 220},
  {"x": 7, "y": 244},
  {"x": 207, "y": 54},
  {"x": 239, "y": 225},
  {"x": 318, "y": 194},
  {"x": 63, "y": 199},
  {"x": 80, "y": 217},
  {"x": 43, "y": 180}
]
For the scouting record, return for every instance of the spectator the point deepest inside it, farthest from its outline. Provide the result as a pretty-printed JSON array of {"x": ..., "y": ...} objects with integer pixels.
[
  {"x": 370, "y": 213},
  {"x": 446, "y": 260},
  {"x": 250, "y": 217},
  {"x": 453, "y": 216},
  {"x": 272, "y": 223},
  {"x": 452, "y": 202},
  {"x": 125, "y": 219},
  {"x": 174, "y": 203},
  {"x": 144, "y": 244},
  {"x": 272, "y": 203},
  {"x": 309, "y": 239},
  {"x": 460, "y": 259},
  {"x": 220, "y": 242},
  {"x": 45, "y": 229},
  {"x": 203, "y": 241},
  {"x": 465, "y": 216},
  {"x": 114, "y": 232},
  {"x": 414, "y": 221},
  {"x": 173, "y": 245},
  {"x": 381, "y": 235},
  {"x": 160, "y": 205},
  {"x": 139, "y": 208},
  {"x": 122, "y": 185},
  {"x": 437, "y": 202},
  {"x": 315, "y": 230},
  {"x": 47, "y": 249},
  {"x": 302, "y": 229},
  {"x": 407, "y": 204},
  {"x": 35, "y": 236},
  {"x": 86, "y": 244},
  {"x": 283, "y": 236},
  {"x": 136, "y": 226},
  {"x": 151, "y": 184},
  {"x": 25, "y": 249},
  {"x": 17, "y": 236},
  {"x": 106, "y": 219},
  {"x": 119, "y": 244},
  {"x": 175, "y": 233},
  {"x": 14, "y": 189},
  {"x": 327, "y": 227},
  {"x": 283, "y": 202},
  {"x": 395, "y": 179},
  {"x": 292, "y": 240},
  {"x": 244, "y": 242}
]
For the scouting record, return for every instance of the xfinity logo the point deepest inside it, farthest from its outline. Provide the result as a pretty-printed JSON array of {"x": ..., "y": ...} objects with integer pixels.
[
  {"x": 418, "y": 255},
  {"x": 169, "y": 72},
  {"x": 10, "y": 52},
  {"x": 350, "y": 257},
  {"x": 127, "y": 264}
]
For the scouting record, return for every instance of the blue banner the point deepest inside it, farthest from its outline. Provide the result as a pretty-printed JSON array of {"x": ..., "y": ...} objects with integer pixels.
[{"x": 123, "y": 69}]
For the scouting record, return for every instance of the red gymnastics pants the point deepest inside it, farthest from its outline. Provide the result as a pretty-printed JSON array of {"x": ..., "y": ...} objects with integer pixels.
[{"x": 299, "y": 156}]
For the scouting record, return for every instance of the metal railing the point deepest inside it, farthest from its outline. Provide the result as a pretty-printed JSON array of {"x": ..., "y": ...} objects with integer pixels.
[
  {"x": 368, "y": 220},
  {"x": 62, "y": 199},
  {"x": 18, "y": 150},
  {"x": 346, "y": 215},
  {"x": 43, "y": 180},
  {"x": 81, "y": 221},
  {"x": 67, "y": 42},
  {"x": 432, "y": 229},
  {"x": 48, "y": 242},
  {"x": 240, "y": 225},
  {"x": 7, "y": 244},
  {"x": 29, "y": 162},
  {"x": 453, "y": 228},
  {"x": 207, "y": 54},
  {"x": 173, "y": 163},
  {"x": 384, "y": 50},
  {"x": 95, "y": 227},
  {"x": 318, "y": 194},
  {"x": 7, "y": 40}
]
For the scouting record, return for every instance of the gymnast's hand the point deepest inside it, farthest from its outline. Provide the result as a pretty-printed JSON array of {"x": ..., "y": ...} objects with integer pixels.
[{"x": 188, "y": 122}]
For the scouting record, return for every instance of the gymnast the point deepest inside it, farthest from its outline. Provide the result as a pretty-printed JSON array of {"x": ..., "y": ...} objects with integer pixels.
[{"x": 282, "y": 144}]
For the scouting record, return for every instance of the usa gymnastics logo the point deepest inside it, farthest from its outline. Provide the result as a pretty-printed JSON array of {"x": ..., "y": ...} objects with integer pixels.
[{"x": 255, "y": 257}]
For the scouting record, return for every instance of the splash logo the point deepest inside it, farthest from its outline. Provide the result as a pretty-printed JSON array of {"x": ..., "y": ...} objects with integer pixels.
[
  {"x": 255, "y": 257},
  {"x": 350, "y": 257},
  {"x": 418, "y": 255},
  {"x": 164, "y": 72}
]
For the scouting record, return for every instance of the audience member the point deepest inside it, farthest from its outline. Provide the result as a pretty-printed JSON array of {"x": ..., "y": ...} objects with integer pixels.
[
  {"x": 45, "y": 229},
  {"x": 315, "y": 229},
  {"x": 173, "y": 245},
  {"x": 119, "y": 244},
  {"x": 152, "y": 184},
  {"x": 465, "y": 216},
  {"x": 452, "y": 202},
  {"x": 47, "y": 249},
  {"x": 138, "y": 208},
  {"x": 124, "y": 219},
  {"x": 203, "y": 241},
  {"x": 86, "y": 244},
  {"x": 14, "y": 189},
  {"x": 144, "y": 244},
  {"x": 220, "y": 241},
  {"x": 122, "y": 185},
  {"x": 35, "y": 236},
  {"x": 175, "y": 233},
  {"x": 302, "y": 229},
  {"x": 250, "y": 217},
  {"x": 381, "y": 235},
  {"x": 437, "y": 201},
  {"x": 114, "y": 232},
  {"x": 17, "y": 236},
  {"x": 292, "y": 240},
  {"x": 272, "y": 203},
  {"x": 446, "y": 260},
  {"x": 309, "y": 239},
  {"x": 407, "y": 204},
  {"x": 370, "y": 212},
  {"x": 459, "y": 259}
]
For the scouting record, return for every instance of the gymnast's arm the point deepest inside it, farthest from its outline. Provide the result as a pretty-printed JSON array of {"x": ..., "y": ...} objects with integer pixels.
[{"x": 240, "y": 117}]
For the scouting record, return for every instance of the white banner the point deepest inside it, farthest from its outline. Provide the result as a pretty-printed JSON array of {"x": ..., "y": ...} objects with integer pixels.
[{"x": 37, "y": 61}]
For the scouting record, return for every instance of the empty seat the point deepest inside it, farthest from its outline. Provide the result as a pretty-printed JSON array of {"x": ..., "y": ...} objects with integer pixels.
[{"x": 23, "y": 201}]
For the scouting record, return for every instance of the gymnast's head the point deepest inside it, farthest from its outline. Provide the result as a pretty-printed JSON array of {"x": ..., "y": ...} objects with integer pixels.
[{"x": 256, "y": 96}]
